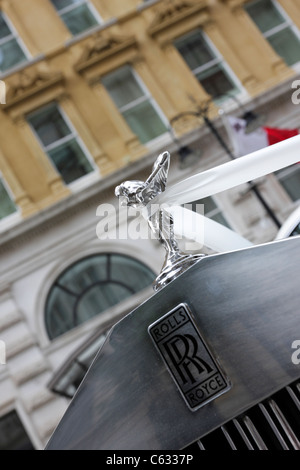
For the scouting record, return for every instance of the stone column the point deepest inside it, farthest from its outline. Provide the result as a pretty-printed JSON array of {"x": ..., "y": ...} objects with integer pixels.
[
  {"x": 21, "y": 198},
  {"x": 130, "y": 140},
  {"x": 101, "y": 159},
  {"x": 277, "y": 64},
  {"x": 237, "y": 66},
  {"x": 159, "y": 95}
]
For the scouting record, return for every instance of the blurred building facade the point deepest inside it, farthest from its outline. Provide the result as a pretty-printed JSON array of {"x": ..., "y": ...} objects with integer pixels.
[{"x": 92, "y": 88}]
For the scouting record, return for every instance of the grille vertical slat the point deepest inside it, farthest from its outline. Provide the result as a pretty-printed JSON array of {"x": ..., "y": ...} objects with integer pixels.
[
  {"x": 254, "y": 433},
  {"x": 273, "y": 427},
  {"x": 243, "y": 434},
  {"x": 285, "y": 425},
  {"x": 200, "y": 445},
  {"x": 228, "y": 438},
  {"x": 273, "y": 424},
  {"x": 294, "y": 397}
]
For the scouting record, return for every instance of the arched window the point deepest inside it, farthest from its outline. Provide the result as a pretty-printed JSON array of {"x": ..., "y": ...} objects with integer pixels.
[{"x": 90, "y": 286}]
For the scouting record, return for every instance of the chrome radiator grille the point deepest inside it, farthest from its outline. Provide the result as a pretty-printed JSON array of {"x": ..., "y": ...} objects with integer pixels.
[{"x": 273, "y": 424}]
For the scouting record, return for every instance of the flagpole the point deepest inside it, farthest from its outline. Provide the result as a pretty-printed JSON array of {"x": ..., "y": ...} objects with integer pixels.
[{"x": 202, "y": 112}]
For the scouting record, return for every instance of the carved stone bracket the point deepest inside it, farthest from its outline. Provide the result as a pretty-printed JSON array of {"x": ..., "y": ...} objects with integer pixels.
[
  {"x": 29, "y": 83},
  {"x": 175, "y": 17},
  {"x": 104, "y": 52},
  {"x": 234, "y": 4}
]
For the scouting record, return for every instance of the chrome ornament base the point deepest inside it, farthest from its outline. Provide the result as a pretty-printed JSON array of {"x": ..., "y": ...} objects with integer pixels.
[{"x": 175, "y": 266}]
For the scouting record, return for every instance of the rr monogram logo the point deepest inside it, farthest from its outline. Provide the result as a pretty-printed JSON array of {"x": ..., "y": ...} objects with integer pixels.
[
  {"x": 182, "y": 350},
  {"x": 188, "y": 359}
]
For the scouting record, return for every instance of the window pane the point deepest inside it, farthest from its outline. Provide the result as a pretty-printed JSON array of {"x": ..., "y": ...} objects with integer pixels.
[
  {"x": 194, "y": 50},
  {"x": 11, "y": 54},
  {"x": 291, "y": 183},
  {"x": 60, "y": 4},
  {"x": 4, "y": 29},
  {"x": 211, "y": 210},
  {"x": 81, "y": 275},
  {"x": 98, "y": 299},
  {"x": 79, "y": 19},
  {"x": 122, "y": 87},
  {"x": 124, "y": 268},
  {"x": 7, "y": 207},
  {"x": 264, "y": 15},
  {"x": 220, "y": 219},
  {"x": 70, "y": 161},
  {"x": 197, "y": 53},
  {"x": 296, "y": 231},
  {"x": 209, "y": 204},
  {"x": 215, "y": 81},
  {"x": 12, "y": 433},
  {"x": 49, "y": 125},
  {"x": 61, "y": 304},
  {"x": 287, "y": 45},
  {"x": 145, "y": 122}
]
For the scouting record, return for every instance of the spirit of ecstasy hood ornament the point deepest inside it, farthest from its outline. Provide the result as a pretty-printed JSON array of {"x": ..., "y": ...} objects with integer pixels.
[
  {"x": 139, "y": 194},
  {"x": 152, "y": 195}
]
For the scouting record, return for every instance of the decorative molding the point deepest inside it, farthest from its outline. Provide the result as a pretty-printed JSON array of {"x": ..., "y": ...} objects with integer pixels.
[
  {"x": 235, "y": 4},
  {"x": 29, "y": 83},
  {"x": 106, "y": 51},
  {"x": 173, "y": 13}
]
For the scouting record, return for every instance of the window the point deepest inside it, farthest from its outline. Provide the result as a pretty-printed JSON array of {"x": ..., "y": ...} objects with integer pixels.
[
  {"x": 12, "y": 433},
  {"x": 11, "y": 52},
  {"x": 78, "y": 15},
  {"x": 135, "y": 104},
  {"x": 211, "y": 210},
  {"x": 206, "y": 64},
  {"x": 67, "y": 380},
  {"x": 61, "y": 143},
  {"x": 7, "y": 207},
  {"x": 277, "y": 28},
  {"x": 91, "y": 286},
  {"x": 290, "y": 179}
]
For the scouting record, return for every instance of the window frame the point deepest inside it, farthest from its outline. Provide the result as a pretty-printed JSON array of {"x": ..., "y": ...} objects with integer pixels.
[
  {"x": 115, "y": 309},
  {"x": 13, "y": 35},
  {"x": 147, "y": 97},
  {"x": 76, "y": 184},
  {"x": 287, "y": 24},
  {"x": 218, "y": 60},
  {"x": 71, "y": 7}
]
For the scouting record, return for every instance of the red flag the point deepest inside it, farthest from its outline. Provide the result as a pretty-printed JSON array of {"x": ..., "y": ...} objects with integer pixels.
[
  {"x": 245, "y": 143},
  {"x": 277, "y": 135}
]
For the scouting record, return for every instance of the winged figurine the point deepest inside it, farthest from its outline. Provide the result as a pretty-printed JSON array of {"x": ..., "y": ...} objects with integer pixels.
[{"x": 139, "y": 194}]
